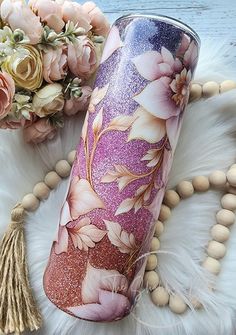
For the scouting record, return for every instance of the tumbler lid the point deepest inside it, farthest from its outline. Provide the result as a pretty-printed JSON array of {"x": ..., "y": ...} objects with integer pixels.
[{"x": 167, "y": 19}]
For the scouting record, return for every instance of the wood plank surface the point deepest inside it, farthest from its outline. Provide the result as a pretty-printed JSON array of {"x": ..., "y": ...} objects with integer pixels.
[{"x": 211, "y": 19}]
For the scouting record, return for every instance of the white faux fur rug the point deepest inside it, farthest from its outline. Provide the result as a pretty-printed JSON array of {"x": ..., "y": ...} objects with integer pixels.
[{"x": 207, "y": 143}]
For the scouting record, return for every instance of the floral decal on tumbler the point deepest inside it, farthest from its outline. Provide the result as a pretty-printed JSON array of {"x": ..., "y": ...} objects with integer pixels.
[{"x": 119, "y": 178}]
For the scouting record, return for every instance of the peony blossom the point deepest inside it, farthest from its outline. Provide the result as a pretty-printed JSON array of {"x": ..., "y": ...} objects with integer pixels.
[
  {"x": 82, "y": 59},
  {"x": 99, "y": 22},
  {"x": 25, "y": 66},
  {"x": 104, "y": 299},
  {"x": 19, "y": 16},
  {"x": 165, "y": 97},
  {"x": 74, "y": 12},
  {"x": 54, "y": 64},
  {"x": 7, "y": 91},
  {"x": 50, "y": 13},
  {"x": 75, "y": 105},
  {"x": 48, "y": 100},
  {"x": 39, "y": 131}
]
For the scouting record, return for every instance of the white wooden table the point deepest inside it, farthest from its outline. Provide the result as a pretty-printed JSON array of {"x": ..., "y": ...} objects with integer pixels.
[{"x": 215, "y": 19}]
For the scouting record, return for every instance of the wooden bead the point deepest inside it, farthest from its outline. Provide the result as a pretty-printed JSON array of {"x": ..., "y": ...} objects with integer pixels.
[
  {"x": 225, "y": 217},
  {"x": 30, "y": 202},
  {"x": 220, "y": 233},
  {"x": 52, "y": 179},
  {"x": 155, "y": 244},
  {"x": 165, "y": 213},
  {"x": 71, "y": 157},
  {"x": 210, "y": 88},
  {"x": 201, "y": 183},
  {"x": 171, "y": 198},
  {"x": 212, "y": 265},
  {"x": 228, "y": 201},
  {"x": 151, "y": 280},
  {"x": 41, "y": 191},
  {"x": 217, "y": 178},
  {"x": 160, "y": 296},
  {"x": 185, "y": 189},
  {"x": 177, "y": 305},
  {"x": 151, "y": 263},
  {"x": 216, "y": 250},
  {"x": 227, "y": 85},
  {"x": 63, "y": 168},
  {"x": 231, "y": 177},
  {"x": 195, "y": 92},
  {"x": 159, "y": 228}
]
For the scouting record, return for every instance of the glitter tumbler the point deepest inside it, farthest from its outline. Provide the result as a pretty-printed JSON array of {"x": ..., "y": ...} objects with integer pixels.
[{"x": 121, "y": 169}]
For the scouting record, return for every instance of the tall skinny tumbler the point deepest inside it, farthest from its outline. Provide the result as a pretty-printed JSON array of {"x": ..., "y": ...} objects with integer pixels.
[{"x": 121, "y": 170}]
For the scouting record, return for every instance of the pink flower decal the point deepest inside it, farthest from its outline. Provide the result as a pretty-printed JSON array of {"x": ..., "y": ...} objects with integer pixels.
[
  {"x": 113, "y": 43},
  {"x": 104, "y": 298},
  {"x": 81, "y": 200},
  {"x": 188, "y": 51},
  {"x": 84, "y": 235},
  {"x": 167, "y": 93}
]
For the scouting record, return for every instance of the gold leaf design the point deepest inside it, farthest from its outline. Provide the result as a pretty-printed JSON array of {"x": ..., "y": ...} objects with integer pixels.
[
  {"x": 142, "y": 195},
  {"x": 121, "y": 123},
  {"x": 153, "y": 156},
  {"x": 97, "y": 123},
  {"x": 121, "y": 174},
  {"x": 85, "y": 128},
  {"x": 124, "y": 241},
  {"x": 84, "y": 235},
  {"x": 97, "y": 96},
  {"x": 125, "y": 206}
]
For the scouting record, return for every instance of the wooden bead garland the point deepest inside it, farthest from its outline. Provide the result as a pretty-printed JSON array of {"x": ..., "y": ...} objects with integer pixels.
[
  {"x": 209, "y": 89},
  {"x": 41, "y": 191},
  {"x": 216, "y": 248}
]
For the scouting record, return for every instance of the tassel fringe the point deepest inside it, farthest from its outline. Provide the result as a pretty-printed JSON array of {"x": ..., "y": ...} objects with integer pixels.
[{"x": 18, "y": 310}]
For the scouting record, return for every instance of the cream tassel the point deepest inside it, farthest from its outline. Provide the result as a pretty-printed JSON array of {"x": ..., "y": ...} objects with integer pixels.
[{"x": 18, "y": 310}]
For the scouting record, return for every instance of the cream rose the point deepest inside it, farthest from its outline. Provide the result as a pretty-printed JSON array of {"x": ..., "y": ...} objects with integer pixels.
[
  {"x": 48, "y": 100},
  {"x": 25, "y": 67},
  {"x": 19, "y": 16},
  {"x": 7, "y": 91},
  {"x": 82, "y": 57}
]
